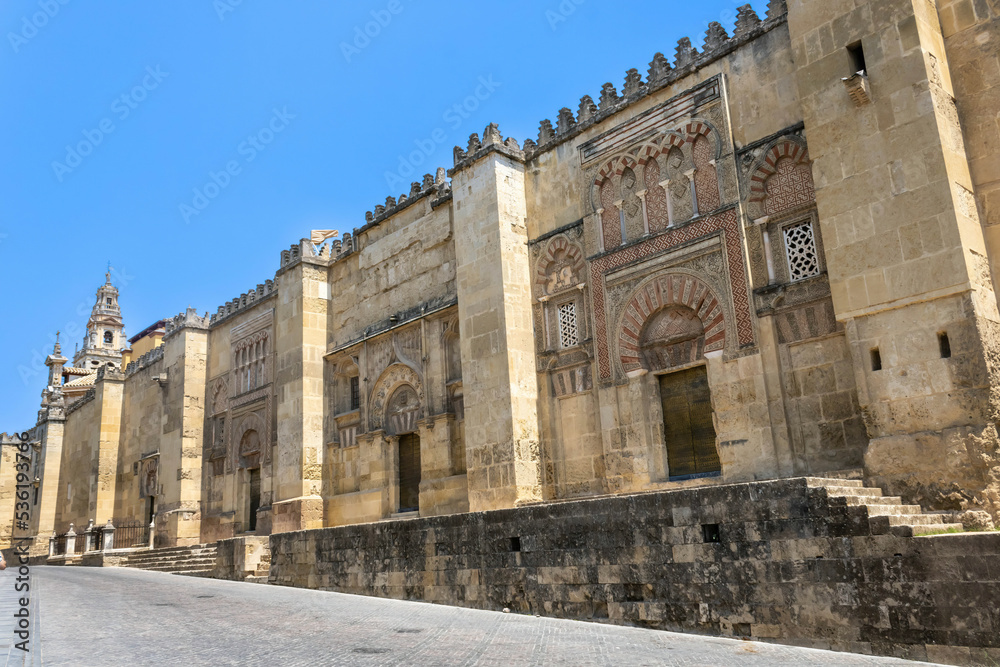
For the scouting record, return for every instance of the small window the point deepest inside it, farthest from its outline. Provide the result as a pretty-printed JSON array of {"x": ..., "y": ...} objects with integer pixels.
[
  {"x": 876, "y": 359},
  {"x": 569, "y": 333},
  {"x": 355, "y": 393},
  {"x": 710, "y": 532},
  {"x": 109, "y": 300},
  {"x": 856, "y": 53},
  {"x": 800, "y": 246},
  {"x": 944, "y": 345}
]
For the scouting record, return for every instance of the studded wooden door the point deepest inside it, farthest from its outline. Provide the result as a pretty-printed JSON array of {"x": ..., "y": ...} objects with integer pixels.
[
  {"x": 687, "y": 423},
  {"x": 409, "y": 472}
]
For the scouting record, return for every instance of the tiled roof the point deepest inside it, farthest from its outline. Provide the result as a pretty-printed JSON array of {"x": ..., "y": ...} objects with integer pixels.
[{"x": 82, "y": 381}]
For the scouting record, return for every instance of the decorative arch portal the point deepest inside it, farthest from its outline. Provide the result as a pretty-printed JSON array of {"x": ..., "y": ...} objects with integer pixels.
[
  {"x": 725, "y": 223},
  {"x": 402, "y": 411},
  {"x": 385, "y": 388},
  {"x": 782, "y": 180},
  {"x": 251, "y": 446},
  {"x": 669, "y": 321},
  {"x": 560, "y": 267}
]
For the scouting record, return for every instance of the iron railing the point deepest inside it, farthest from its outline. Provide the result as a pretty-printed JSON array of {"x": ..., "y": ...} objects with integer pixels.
[{"x": 130, "y": 533}]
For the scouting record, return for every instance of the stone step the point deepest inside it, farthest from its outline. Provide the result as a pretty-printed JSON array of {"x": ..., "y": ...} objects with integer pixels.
[
  {"x": 815, "y": 482},
  {"x": 154, "y": 557},
  {"x": 208, "y": 562},
  {"x": 205, "y": 562},
  {"x": 931, "y": 528},
  {"x": 920, "y": 520},
  {"x": 174, "y": 550},
  {"x": 259, "y": 579},
  {"x": 859, "y": 501},
  {"x": 204, "y": 553},
  {"x": 178, "y": 568},
  {"x": 190, "y": 547},
  {"x": 141, "y": 561},
  {"x": 853, "y": 491},
  {"x": 885, "y": 509}
]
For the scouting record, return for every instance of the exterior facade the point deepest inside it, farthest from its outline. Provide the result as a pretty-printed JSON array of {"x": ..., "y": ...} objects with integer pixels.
[{"x": 774, "y": 257}]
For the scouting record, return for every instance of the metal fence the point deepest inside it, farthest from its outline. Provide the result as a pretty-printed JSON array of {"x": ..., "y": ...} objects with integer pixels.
[{"x": 130, "y": 533}]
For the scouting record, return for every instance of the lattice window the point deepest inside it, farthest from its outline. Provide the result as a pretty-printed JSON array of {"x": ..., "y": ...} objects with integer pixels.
[
  {"x": 800, "y": 245},
  {"x": 355, "y": 393},
  {"x": 569, "y": 332}
]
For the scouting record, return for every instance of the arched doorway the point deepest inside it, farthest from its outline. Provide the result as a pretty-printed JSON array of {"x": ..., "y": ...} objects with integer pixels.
[
  {"x": 674, "y": 338},
  {"x": 402, "y": 411},
  {"x": 249, "y": 455}
]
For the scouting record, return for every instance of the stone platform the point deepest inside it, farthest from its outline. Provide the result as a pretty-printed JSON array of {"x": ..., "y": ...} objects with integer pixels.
[{"x": 824, "y": 563}]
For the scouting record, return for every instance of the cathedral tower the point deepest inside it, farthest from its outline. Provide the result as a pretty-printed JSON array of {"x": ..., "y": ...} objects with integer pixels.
[{"x": 104, "y": 340}]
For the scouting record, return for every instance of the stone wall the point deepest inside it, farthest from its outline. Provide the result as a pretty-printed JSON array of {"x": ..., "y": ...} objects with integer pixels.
[
  {"x": 142, "y": 428},
  {"x": 90, "y": 455},
  {"x": 791, "y": 565},
  {"x": 241, "y": 557}
]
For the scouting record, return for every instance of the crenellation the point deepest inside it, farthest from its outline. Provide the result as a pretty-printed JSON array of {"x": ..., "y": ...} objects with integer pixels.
[
  {"x": 493, "y": 142},
  {"x": 545, "y": 133},
  {"x": 687, "y": 59},
  {"x": 566, "y": 122},
  {"x": 191, "y": 319},
  {"x": 634, "y": 86},
  {"x": 474, "y": 143},
  {"x": 427, "y": 186},
  {"x": 609, "y": 98},
  {"x": 262, "y": 291},
  {"x": 587, "y": 109},
  {"x": 716, "y": 37},
  {"x": 686, "y": 53},
  {"x": 144, "y": 361},
  {"x": 659, "y": 70},
  {"x": 746, "y": 21},
  {"x": 491, "y": 135},
  {"x": 776, "y": 9}
]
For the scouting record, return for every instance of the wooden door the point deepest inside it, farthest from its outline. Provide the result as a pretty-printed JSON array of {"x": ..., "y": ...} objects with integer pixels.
[
  {"x": 409, "y": 472},
  {"x": 687, "y": 423}
]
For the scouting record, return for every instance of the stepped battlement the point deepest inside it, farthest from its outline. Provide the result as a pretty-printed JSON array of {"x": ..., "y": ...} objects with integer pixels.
[{"x": 660, "y": 74}]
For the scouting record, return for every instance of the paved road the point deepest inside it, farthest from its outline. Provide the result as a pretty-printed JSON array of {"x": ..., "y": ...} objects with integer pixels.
[
  {"x": 111, "y": 616},
  {"x": 23, "y": 651}
]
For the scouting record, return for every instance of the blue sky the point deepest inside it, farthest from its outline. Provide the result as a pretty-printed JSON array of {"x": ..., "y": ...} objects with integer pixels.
[{"x": 118, "y": 116}]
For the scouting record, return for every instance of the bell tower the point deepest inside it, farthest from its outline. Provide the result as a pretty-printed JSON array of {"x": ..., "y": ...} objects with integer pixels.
[{"x": 104, "y": 339}]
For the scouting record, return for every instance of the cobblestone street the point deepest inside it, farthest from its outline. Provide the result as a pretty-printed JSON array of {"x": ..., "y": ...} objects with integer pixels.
[{"x": 111, "y": 616}]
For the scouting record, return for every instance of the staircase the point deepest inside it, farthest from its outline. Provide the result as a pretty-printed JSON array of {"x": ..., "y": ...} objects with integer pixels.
[
  {"x": 197, "y": 560},
  {"x": 886, "y": 514}
]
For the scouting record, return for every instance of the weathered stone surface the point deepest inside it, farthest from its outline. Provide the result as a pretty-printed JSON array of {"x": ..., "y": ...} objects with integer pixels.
[{"x": 789, "y": 565}]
